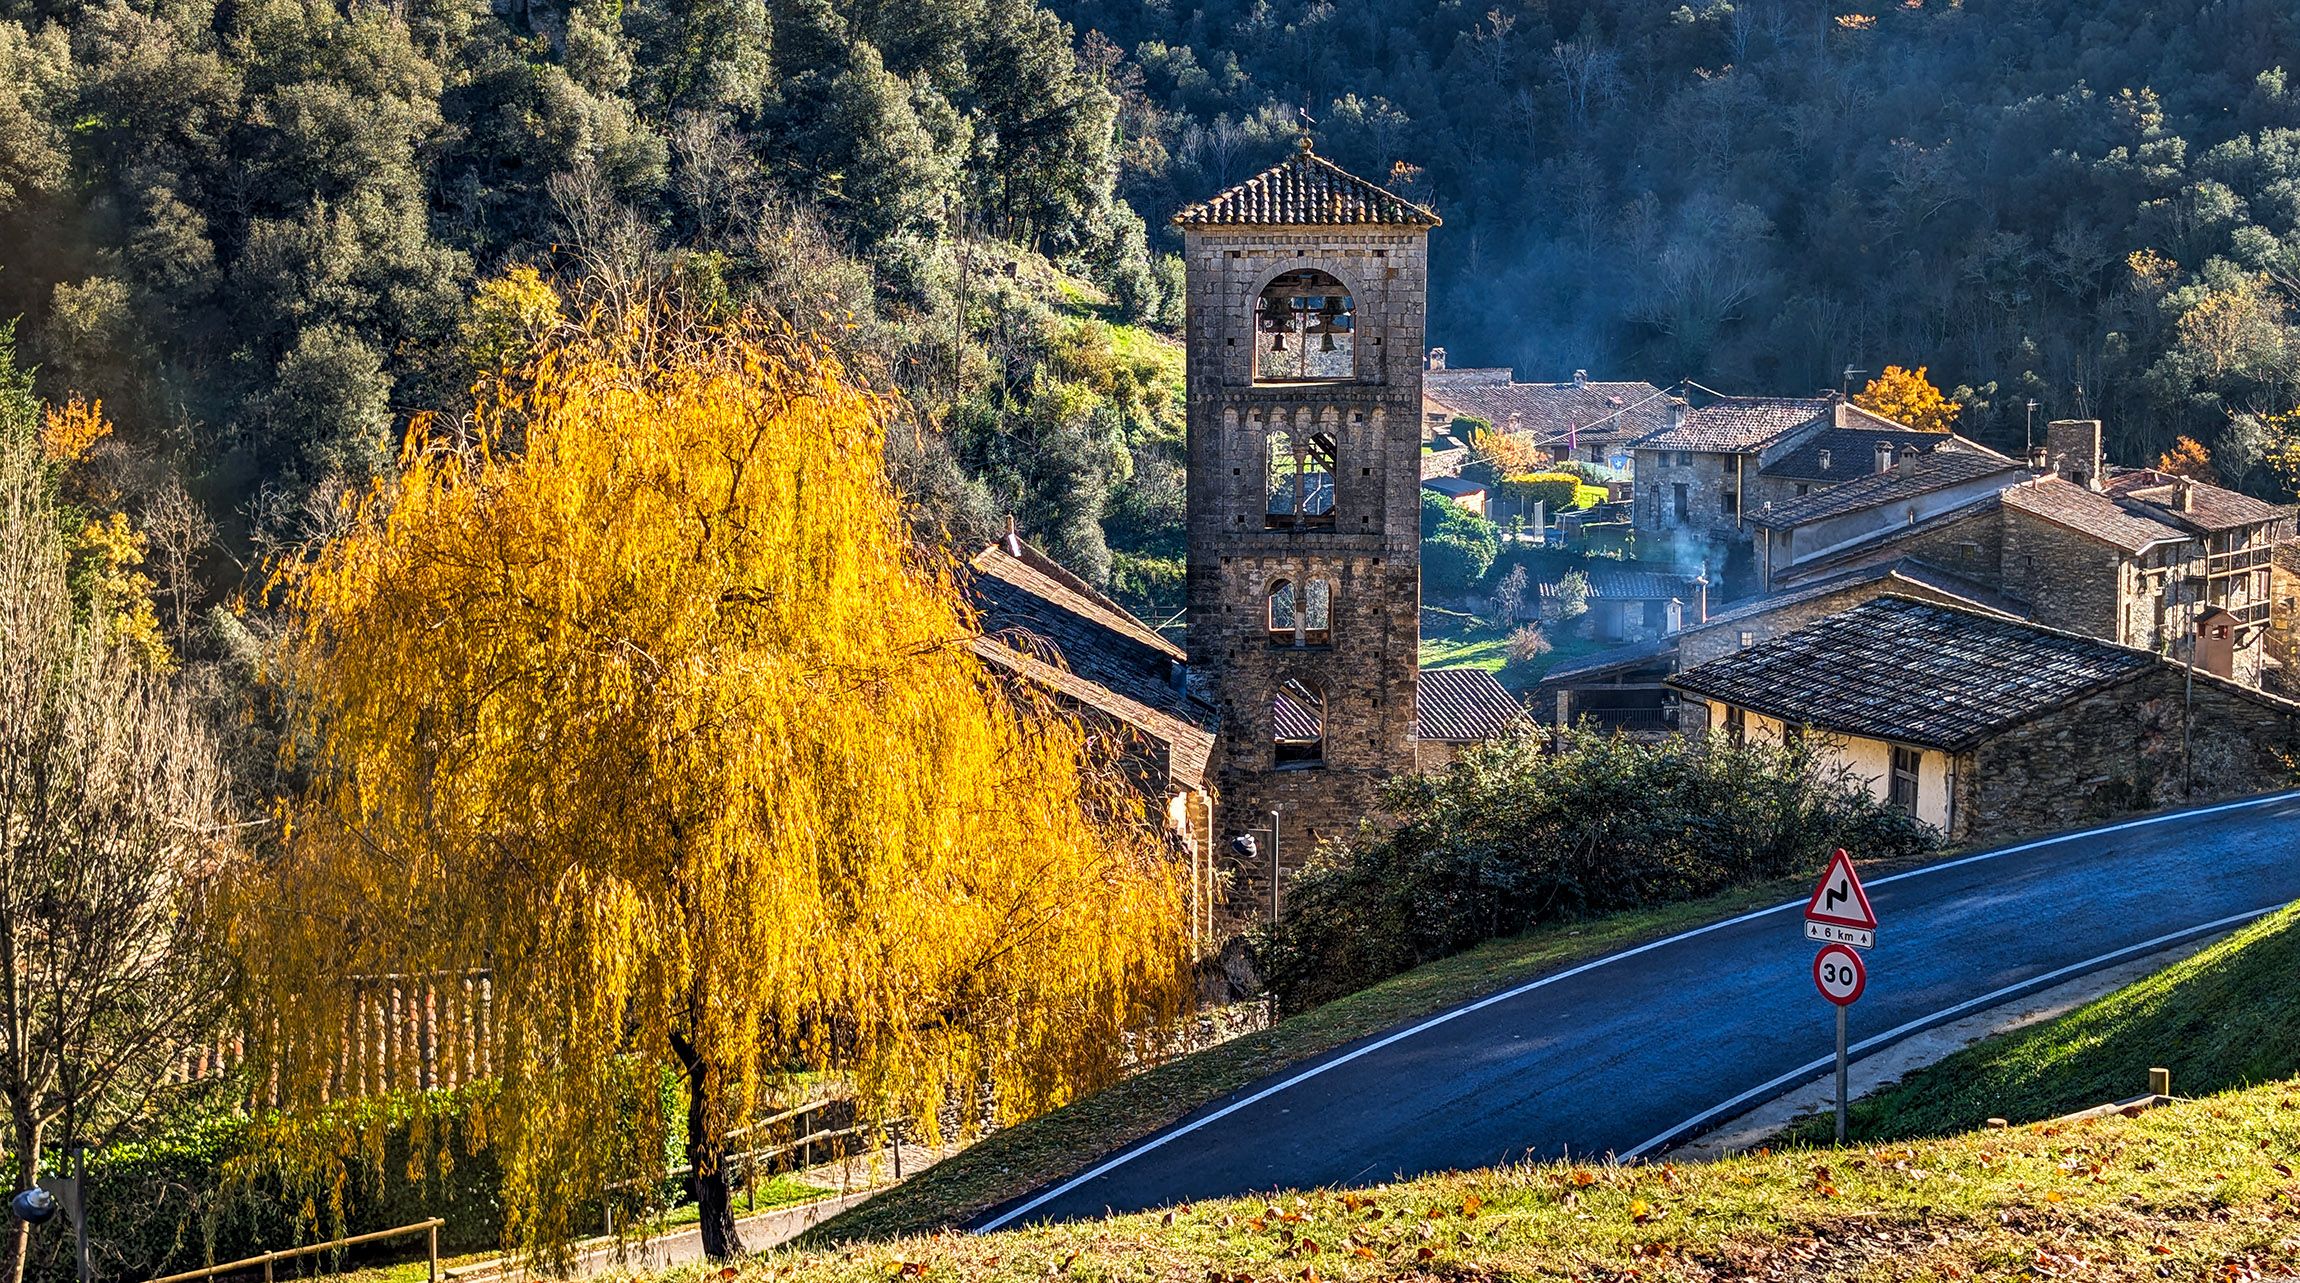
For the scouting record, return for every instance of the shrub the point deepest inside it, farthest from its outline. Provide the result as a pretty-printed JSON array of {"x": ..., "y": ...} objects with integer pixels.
[
  {"x": 1527, "y": 643},
  {"x": 219, "y": 1187},
  {"x": 1452, "y": 564},
  {"x": 1511, "y": 836},
  {"x": 1572, "y": 595},
  {"x": 1557, "y": 491}
]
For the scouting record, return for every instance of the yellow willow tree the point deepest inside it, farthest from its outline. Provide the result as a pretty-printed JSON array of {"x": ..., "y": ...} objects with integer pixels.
[{"x": 660, "y": 720}]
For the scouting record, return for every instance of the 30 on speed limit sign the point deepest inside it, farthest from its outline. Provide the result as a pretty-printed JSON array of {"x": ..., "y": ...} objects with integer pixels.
[{"x": 1839, "y": 975}]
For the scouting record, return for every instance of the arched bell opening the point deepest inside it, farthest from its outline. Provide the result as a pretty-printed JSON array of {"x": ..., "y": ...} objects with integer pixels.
[{"x": 1306, "y": 329}]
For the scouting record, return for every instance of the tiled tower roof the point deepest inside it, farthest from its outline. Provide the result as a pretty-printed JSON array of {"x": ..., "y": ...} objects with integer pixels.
[{"x": 1305, "y": 190}]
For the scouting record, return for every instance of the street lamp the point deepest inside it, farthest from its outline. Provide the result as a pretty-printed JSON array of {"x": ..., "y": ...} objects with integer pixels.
[{"x": 54, "y": 1194}]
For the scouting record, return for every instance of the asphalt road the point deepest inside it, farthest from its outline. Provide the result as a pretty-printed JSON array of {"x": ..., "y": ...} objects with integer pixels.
[{"x": 1632, "y": 1051}]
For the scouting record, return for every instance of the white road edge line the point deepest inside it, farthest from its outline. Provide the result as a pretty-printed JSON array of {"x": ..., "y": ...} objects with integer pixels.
[
  {"x": 1160, "y": 1140},
  {"x": 1897, "y": 1032}
]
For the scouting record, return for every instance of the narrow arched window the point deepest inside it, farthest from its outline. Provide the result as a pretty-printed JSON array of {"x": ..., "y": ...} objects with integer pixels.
[
  {"x": 1283, "y": 616},
  {"x": 1298, "y": 724},
  {"x": 1317, "y": 612},
  {"x": 1283, "y": 478}
]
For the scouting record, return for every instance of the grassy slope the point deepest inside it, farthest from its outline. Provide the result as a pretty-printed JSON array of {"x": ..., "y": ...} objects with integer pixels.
[
  {"x": 2194, "y": 1191},
  {"x": 2226, "y": 1017},
  {"x": 1024, "y": 1157}
]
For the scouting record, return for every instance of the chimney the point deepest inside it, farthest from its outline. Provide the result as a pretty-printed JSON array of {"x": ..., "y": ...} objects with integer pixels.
[
  {"x": 2184, "y": 494},
  {"x": 1677, "y": 409},
  {"x": 1013, "y": 538},
  {"x": 1437, "y": 358},
  {"x": 1907, "y": 465},
  {"x": 1581, "y": 378},
  {"x": 2074, "y": 447},
  {"x": 1824, "y": 459},
  {"x": 2036, "y": 458},
  {"x": 1884, "y": 456},
  {"x": 1701, "y": 598}
]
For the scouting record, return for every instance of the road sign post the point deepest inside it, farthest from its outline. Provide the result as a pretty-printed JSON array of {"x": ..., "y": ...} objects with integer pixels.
[
  {"x": 1840, "y": 917},
  {"x": 1840, "y": 976}
]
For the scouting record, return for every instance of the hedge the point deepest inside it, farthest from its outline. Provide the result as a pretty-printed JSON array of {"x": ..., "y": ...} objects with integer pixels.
[{"x": 1513, "y": 835}]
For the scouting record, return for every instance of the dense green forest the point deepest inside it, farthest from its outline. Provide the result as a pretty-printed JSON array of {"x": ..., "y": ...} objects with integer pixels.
[
  {"x": 267, "y": 232},
  {"x": 2091, "y": 203}
]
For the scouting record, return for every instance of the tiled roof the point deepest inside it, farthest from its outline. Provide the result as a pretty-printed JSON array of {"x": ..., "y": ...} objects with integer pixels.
[
  {"x": 1453, "y": 487},
  {"x": 1836, "y": 455},
  {"x": 1907, "y": 570},
  {"x": 1591, "y": 412},
  {"x": 1462, "y": 705},
  {"x": 1659, "y": 652},
  {"x": 1610, "y": 584},
  {"x": 1886, "y": 544},
  {"x": 1954, "y": 463},
  {"x": 1914, "y": 673},
  {"x": 1305, "y": 190},
  {"x": 1294, "y": 715},
  {"x": 1048, "y": 625},
  {"x": 2210, "y": 507},
  {"x": 2090, "y": 513},
  {"x": 1737, "y": 424}
]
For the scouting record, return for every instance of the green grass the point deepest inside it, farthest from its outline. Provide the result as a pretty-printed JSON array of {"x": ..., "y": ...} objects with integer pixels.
[
  {"x": 2228, "y": 1016},
  {"x": 2194, "y": 1191},
  {"x": 1024, "y": 1157},
  {"x": 1483, "y": 648}
]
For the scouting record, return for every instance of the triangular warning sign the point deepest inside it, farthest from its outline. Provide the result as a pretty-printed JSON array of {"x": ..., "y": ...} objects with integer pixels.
[{"x": 1839, "y": 900}]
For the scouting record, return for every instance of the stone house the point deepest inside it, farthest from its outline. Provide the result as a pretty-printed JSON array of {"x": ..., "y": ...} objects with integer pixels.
[
  {"x": 1628, "y": 603},
  {"x": 1589, "y": 420},
  {"x": 1711, "y": 467},
  {"x": 2128, "y": 555},
  {"x": 1987, "y": 727},
  {"x": 1761, "y": 619},
  {"x": 1627, "y": 688}
]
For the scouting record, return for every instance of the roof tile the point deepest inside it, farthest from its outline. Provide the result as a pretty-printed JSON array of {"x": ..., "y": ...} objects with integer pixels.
[
  {"x": 1913, "y": 672},
  {"x": 1305, "y": 190}
]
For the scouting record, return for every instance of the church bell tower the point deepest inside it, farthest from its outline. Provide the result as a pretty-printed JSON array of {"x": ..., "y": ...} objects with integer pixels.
[{"x": 1307, "y": 288}]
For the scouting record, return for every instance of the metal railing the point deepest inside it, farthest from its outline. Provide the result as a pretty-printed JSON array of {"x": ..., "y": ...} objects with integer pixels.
[{"x": 429, "y": 1228}]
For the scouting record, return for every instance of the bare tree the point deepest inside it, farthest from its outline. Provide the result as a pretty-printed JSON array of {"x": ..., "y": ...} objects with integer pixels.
[
  {"x": 112, "y": 807},
  {"x": 181, "y": 533}
]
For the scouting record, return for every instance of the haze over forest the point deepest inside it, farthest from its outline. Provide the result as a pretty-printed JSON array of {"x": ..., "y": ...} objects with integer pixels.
[{"x": 267, "y": 232}]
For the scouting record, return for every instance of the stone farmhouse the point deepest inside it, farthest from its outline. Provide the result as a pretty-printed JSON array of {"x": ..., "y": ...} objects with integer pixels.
[
  {"x": 1299, "y": 691},
  {"x": 1711, "y": 467},
  {"x": 1986, "y": 726},
  {"x": 2128, "y": 555},
  {"x": 1592, "y": 421}
]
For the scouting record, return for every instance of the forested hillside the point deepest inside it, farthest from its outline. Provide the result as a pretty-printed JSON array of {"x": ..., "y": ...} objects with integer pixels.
[
  {"x": 268, "y": 232},
  {"x": 2094, "y": 203}
]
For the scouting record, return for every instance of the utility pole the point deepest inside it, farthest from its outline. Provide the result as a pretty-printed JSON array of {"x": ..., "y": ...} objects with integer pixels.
[
  {"x": 1275, "y": 867},
  {"x": 1845, "y": 381}
]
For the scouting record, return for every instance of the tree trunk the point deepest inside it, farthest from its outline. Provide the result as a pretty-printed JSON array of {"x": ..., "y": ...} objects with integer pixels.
[
  {"x": 706, "y": 1156},
  {"x": 27, "y": 1146}
]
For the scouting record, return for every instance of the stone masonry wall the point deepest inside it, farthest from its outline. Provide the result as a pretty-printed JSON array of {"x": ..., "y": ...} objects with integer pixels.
[
  {"x": 1707, "y": 479},
  {"x": 2119, "y": 751},
  {"x": 2070, "y": 581},
  {"x": 1370, "y": 553},
  {"x": 1971, "y": 547}
]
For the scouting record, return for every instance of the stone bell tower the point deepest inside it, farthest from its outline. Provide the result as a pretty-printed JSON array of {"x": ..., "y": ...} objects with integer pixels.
[{"x": 1306, "y": 311}]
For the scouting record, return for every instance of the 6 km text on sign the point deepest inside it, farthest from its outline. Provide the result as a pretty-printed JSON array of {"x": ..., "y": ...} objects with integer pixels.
[{"x": 1839, "y": 911}]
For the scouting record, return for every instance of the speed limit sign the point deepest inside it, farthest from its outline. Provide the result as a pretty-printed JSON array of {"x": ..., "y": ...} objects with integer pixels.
[{"x": 1839, "y": 975}]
